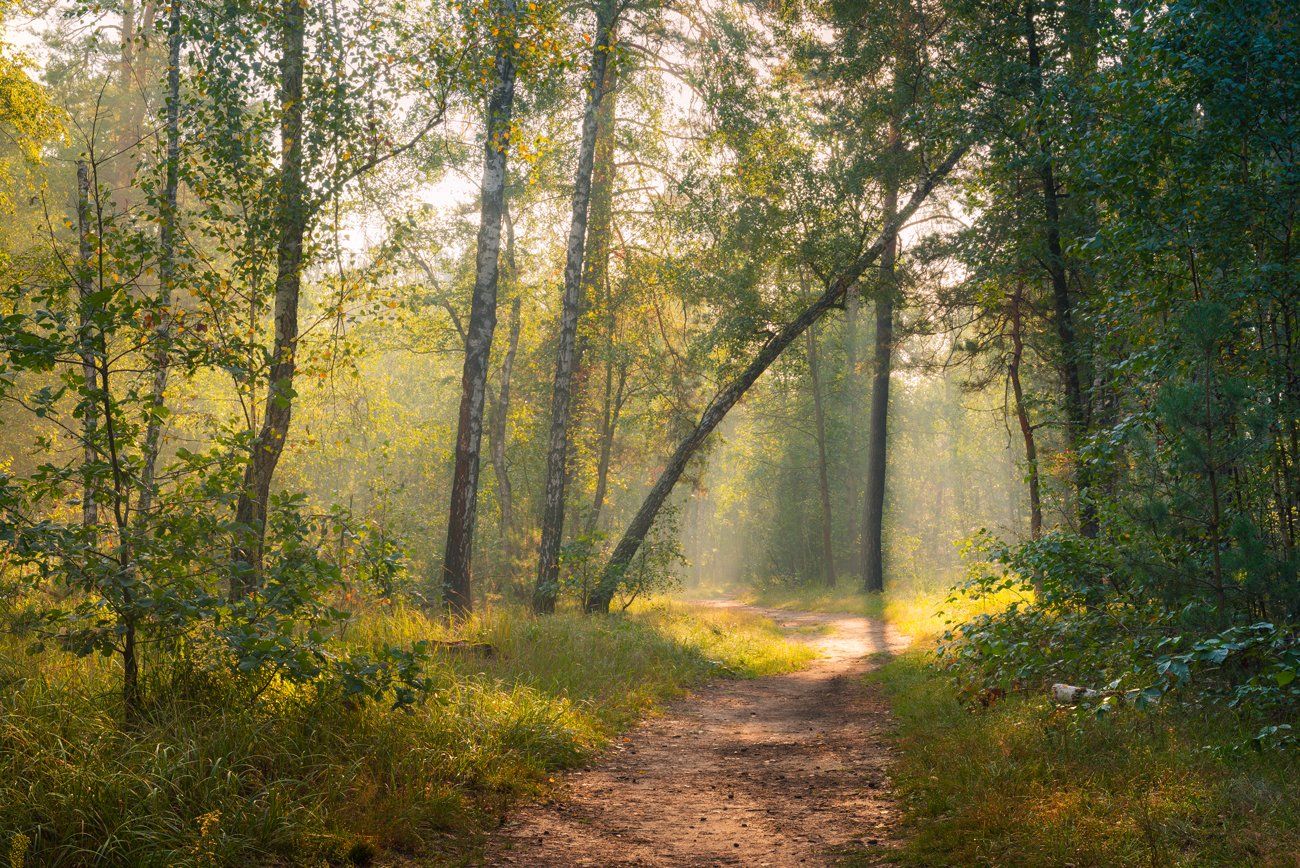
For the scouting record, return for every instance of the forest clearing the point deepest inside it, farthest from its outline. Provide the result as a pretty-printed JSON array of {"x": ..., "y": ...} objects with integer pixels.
[{"x": 631, "y": 432}]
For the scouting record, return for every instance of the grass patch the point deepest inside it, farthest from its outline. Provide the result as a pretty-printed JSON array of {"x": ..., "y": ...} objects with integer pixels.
[
  {"x": 1024, "y": 783},
  {"x": 214, "y": 778}
]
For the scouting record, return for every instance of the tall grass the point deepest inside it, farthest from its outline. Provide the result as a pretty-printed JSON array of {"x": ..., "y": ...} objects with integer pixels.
[
  {"x": 214, "y": 776},
  {"x": 1026, "y": 783}
]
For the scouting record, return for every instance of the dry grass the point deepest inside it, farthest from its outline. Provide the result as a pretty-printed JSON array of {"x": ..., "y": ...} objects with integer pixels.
[
  {"x": 1025, "y": 783},
  {"x": 214, "y": 779}
]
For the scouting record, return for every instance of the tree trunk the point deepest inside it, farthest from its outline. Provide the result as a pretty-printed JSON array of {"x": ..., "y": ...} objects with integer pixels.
[
  {"x": 499, "y": 421},
  {"x": 1071, "y": 357},
  {"x": 852, "y": 389},
  {"x": 596, "y": 285},
  {"x": 548, "y": 555},
  {"x": 291, "y": 221},
  {"x": 823, "y": 477},
  {"x": 873, "y": 513},
  {"x": 1022, "y": 413},
  {"x": 873, "y": 560},
  {"x": 85, "y": 286},
  {"x": 166, "y": 264},
  {"x": 717, "y": 410},
  {"x": 615, "y": 388},
  {"x": 456, "y": 563}
]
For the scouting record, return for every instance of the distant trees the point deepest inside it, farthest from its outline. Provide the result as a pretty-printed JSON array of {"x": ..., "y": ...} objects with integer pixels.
[{"x": 734, "y": 390}]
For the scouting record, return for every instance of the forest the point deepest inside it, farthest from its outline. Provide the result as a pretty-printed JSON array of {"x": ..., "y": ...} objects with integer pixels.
[{"x": 633, "y": 432}]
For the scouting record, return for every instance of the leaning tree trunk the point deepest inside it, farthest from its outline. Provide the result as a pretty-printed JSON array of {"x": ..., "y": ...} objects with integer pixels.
[
  {"x": 548, "y": 555},
  {"x": 1071, "y": 355},
  {"x": 291, "y": 222},
  {"x": 717, "y": 410},
  {"x": 456, "y": 562},
  {"x": 823, "y": 476}
]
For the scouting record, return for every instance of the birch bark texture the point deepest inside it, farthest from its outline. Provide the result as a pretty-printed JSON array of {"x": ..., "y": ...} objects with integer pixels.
[
  {"x": 458, "y": 555},
  {"x": 566, "y": 362},
  {"x": 161, "y": 355}
]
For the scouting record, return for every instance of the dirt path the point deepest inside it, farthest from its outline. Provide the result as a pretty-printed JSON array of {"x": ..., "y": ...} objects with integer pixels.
[{"x": 784, "y": 770}]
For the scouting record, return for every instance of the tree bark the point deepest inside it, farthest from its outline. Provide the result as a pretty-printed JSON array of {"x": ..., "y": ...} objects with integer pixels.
[
  {"x": 596, "y": 284},
  {"x": 873, "y": 513},
  {"x": 500, "y": 418},
  {"x": 457, "y": 558},
  {"x": 823, "y": 476},
  {"x": 1071, "y": 357},
  {"x": 873, "y": 560},
  {"x": 1022, "y": 413},
  {"x": 86, "y": 347},
  {"x": 548, "y": 555},
  {"x": 615, "y": 389},
  {"x": 717, "y": 410},
  {"x": 166, "y": 264},
  {"x": 291, "y": 221}
]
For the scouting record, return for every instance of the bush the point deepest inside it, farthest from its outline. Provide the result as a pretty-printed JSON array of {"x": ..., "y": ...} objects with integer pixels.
[{"x": 1086, "y": 625}]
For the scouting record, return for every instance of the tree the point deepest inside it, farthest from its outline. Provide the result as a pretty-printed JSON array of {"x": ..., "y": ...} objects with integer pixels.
[
  {"x": 548, "y": 557},
  {"x": 500, "y": 416},
  {"x": 457, "y": 596},
  {"x": 291, "y": 227},
  {"x": 823, "y": 480},
  {"x": 1072, "y": 352},
  {"x": 727, "y": 397}
]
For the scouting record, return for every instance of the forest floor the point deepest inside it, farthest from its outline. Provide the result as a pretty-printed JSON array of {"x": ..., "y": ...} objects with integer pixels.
[{"x": 782, "y": 770}]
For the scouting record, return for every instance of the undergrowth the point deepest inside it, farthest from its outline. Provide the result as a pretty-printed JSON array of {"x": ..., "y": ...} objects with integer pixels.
[
  {"x": 1035, "y": 785},
  {"x": 215, "y": 776}
]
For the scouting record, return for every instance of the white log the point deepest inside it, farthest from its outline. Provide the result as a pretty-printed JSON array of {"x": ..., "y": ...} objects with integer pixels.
[{"x": 1068, "y": 694}]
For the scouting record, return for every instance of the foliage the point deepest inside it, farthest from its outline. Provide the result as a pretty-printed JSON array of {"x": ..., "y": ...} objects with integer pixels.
[
  {"x": 1068, "y": 632},
  {"x": 1096, "y": 357},
  {"x": 300, "y": 774}
]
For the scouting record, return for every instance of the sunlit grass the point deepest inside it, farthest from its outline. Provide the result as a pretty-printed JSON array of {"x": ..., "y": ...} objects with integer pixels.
[
  {"x": 213, "y": 777},
  {"x": 1025, "y": 783},
  {"x": 739, "y": 642}
]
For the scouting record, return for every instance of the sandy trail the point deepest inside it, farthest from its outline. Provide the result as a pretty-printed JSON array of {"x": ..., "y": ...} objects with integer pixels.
[{"x": 784, "y": 770}]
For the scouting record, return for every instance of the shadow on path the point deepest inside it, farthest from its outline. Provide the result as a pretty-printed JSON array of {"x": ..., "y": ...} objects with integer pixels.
[{"x": 784, "y": 770}]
